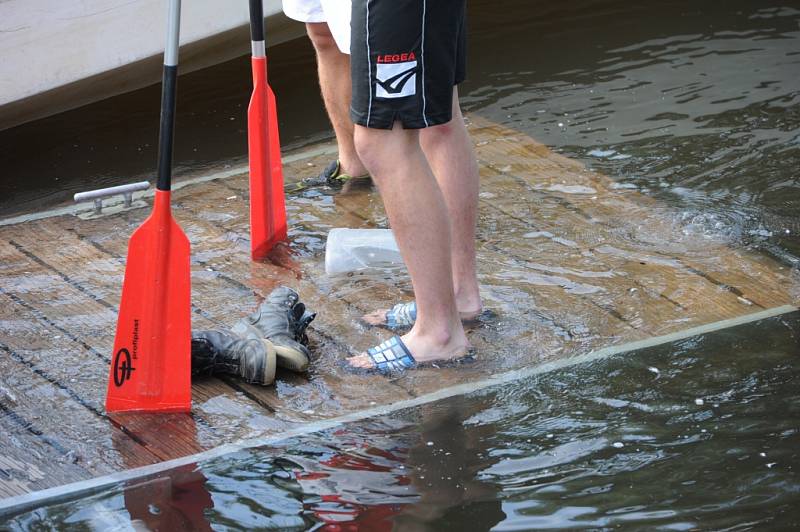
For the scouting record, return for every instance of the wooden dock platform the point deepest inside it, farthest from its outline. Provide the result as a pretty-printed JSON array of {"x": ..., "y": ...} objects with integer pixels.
[{"x": 569, "y": 261}]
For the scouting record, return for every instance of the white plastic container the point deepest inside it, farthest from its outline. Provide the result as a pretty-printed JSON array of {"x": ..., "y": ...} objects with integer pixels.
[{"x": 357, "y": 249}]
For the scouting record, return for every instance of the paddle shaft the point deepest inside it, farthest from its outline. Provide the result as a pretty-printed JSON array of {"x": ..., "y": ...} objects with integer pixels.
[
  {"x": 257, "y": 28},
  {"x": 168, "y": 94}
]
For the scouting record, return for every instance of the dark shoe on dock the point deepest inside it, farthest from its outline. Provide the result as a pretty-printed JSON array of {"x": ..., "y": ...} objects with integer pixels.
[
  {"x": 331, "y": 176},
  {"x": 282, "y": 319},
  {"x": 215, "y": 352}
]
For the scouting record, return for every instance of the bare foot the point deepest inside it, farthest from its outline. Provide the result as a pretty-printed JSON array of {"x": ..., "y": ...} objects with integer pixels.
[
  {"x": 353, "y": 169},
  {"x": 378, "y": 317},
  {"x": 423, "y": 348}
]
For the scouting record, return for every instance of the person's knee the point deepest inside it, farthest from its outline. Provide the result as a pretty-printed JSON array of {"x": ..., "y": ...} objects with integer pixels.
[
  {"x": 368, "y": 145},
  {"x": 449, "y": 132},
  {"x": 321, "y": 37},
  {"x": 434, "y": 136},
  {"x": 381, "y": 149}
]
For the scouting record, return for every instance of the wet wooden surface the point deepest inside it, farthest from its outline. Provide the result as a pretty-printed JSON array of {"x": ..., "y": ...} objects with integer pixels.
[{"x": 567, "y": 261}]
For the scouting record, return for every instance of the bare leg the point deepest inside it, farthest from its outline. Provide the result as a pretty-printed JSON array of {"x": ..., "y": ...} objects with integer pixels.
[
  {"x": 449, "y": 152},
  {"x": 334, "y": 81},
  {"x": 418, "y": 215}
]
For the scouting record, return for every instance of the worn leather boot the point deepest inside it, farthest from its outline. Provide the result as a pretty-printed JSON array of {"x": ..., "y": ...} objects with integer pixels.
[
  {"x": 225, "y": 352},
  {"x": 282, "y": 319}
]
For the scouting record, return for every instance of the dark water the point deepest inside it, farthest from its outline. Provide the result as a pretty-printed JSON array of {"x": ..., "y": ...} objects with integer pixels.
[
  {"x": 703, "y": 434},
  {"x": 115, "y": 141},
  {"x": 696, "y": 102}
]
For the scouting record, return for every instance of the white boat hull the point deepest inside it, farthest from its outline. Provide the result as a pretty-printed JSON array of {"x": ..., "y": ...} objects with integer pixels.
[{"x": 60, "y": 55}]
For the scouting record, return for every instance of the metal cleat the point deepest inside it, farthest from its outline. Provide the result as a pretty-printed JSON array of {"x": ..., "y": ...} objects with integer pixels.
[{"x": 98, "y": 195}]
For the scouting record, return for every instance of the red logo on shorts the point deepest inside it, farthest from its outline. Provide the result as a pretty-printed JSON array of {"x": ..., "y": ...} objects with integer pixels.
[{"x": 397, "y": 58}]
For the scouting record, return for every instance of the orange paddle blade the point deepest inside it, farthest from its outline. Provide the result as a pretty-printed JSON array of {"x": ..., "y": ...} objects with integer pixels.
[
  {"x": 267, "y": 204},
  {"x": 151, "y": 364}
]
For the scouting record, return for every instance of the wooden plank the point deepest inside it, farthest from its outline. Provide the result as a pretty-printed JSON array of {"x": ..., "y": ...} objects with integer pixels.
[
  {"x": 324, "y": 393},
  {"x": 352, "y": 207},
  {"x": 645, "y": 223},
  {"x": 647, "y": 291},
  {"x": 61, "y": 415},
  {"x": 29, "y": 459},
  {"x": 21, "y": 471},
  {"x": 534, "y": 336},
  {"x": 234, "y": 412},
  {"x": 84, "y": 267},
  {"x": 306, "y": 398},
  {"x": 166, "y": 436},
  {"x": 550, "y": 297},
  {"x": 494, "y": 228},
  {"x": 221, "y": 296},
  {"x": 750, "y": 277},
  {"x": 343, "y": 318},
  {"x": 69, "y": 335}
]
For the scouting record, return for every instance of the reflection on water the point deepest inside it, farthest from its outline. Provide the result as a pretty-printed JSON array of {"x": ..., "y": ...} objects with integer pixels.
[{"x": 703, "y": 434}]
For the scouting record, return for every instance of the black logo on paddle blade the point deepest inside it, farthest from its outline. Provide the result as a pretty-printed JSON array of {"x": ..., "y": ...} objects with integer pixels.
[
  {"x": 395, "y": 84},
  {"x": 122, "y": 367}
]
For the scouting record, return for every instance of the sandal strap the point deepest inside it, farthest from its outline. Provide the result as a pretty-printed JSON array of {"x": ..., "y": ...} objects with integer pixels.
[
  {"x": 331, "y": 172},
  {"x": 331, "y": 175},
  {"x": 402, "y": 315},
  {"x": 391, "y": 355}
]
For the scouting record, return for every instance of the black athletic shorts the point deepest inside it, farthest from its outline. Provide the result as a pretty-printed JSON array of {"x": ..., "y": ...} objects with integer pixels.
[{"x": 405, "y": 58}]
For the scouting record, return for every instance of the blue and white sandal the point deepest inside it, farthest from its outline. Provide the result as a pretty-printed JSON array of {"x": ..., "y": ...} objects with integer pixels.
[
  {"x": 391, "y": 356},
  {"x": 402, "y": 315}
]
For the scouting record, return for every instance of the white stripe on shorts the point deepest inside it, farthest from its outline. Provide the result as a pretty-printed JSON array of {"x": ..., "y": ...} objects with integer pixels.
[
  {"x": 369, "y": 68},
  {"x": 422, "y": 53}
]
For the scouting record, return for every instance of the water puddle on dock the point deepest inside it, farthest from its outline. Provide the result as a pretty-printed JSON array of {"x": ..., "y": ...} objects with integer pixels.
[{"x": 701, "y": 434}]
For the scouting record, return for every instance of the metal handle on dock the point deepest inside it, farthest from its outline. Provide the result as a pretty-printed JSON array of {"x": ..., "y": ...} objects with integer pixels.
[{"x": 98, "y": 195}]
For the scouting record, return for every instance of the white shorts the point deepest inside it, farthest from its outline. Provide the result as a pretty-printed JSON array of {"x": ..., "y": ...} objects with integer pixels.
[{"x": 335, "y": 12}]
